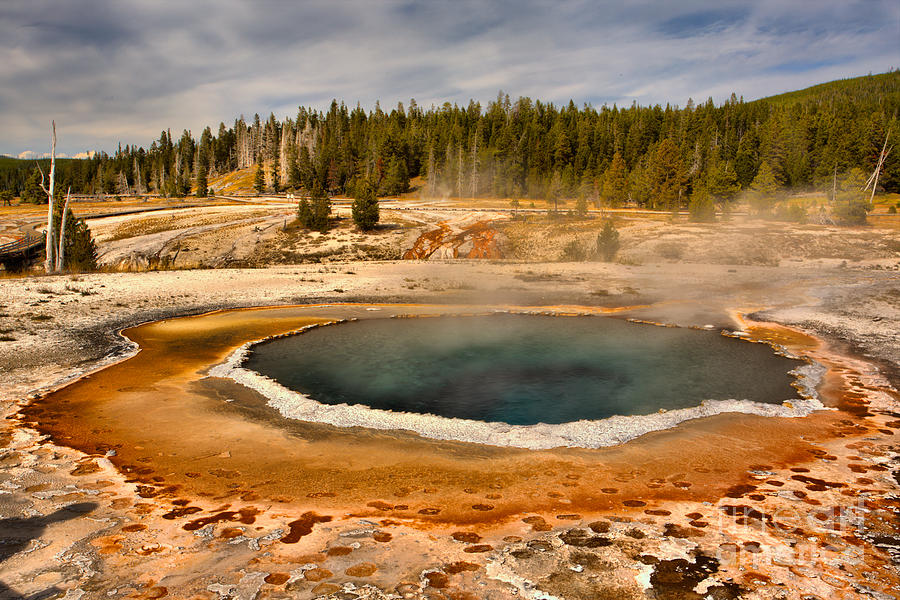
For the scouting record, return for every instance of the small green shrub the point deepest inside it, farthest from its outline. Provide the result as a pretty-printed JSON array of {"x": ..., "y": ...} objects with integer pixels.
[
  {"x": 793, "y": 213},
  {"x": 702, "y": 208},
  {"x": 670, "y": 250},
  {"x": 573, "y": 251},
  {"x": 608, "y": 242},
  {"x": 365, "y": 207}
]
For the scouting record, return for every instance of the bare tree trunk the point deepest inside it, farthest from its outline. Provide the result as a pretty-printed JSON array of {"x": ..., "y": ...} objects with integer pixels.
[
  {"x": 60, "y": 257},
  {"x": 873, "y": 179},
  {"x": 50, "y": 245},
  {"x": 459, "y": 174},
  {"x": 432, "y": 176},
  {"x": 834, "y": 184},
  {"x": 138, "y": 180},
  {"x": 283, "y": 152},
  {"x": 475, "y": 166}
]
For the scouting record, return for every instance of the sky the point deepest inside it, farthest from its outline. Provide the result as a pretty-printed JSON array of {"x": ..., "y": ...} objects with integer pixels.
[{"x": 121, "y": 71}]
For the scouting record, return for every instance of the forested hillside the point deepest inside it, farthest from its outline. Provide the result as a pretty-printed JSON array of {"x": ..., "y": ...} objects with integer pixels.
[{"x": 655, "y": 156}]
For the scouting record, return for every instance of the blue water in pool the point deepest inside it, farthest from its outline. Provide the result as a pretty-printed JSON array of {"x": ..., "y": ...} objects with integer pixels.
[{"x": 522, "y": 369}]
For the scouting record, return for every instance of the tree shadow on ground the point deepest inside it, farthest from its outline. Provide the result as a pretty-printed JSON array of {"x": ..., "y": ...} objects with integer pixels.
[{"x": 16, "y": 533}]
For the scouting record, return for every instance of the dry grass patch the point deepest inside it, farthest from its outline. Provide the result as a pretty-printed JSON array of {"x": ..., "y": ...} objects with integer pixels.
[{"x": 148, "y": 225}]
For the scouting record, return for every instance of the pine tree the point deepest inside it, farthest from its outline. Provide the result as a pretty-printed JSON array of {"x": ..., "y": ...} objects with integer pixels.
[
  {"x": 259, "y": 179},
  {"x": 852, "y": 203},
  {"x": 608, "y": 242},
  {"x": 202, "y": 187},
  {"x": 365, "y": 207},
  {"x": 397, "y": 180},
  {"x": 615, "y": 183},
  {"x": 762, "y": 190},
  {"x": 581, "y": 206},
  {"x": 33, "y": 193},
  {"x": 276, "y": 178},
  {"x": 80, "y": 250},
  {"x": 304, "y": 213},
  {"x": 702, "y": 208},
  {"x": 722, "y": 182},
  {"x": 316, "y": 212},
  {"x": 182, "y": 186},
  {"x": 745, "y": 163},
  {"x": 667, "y": 177},
  {"x": 554, "y": 191},
  {"x": 431, "y": 173},
  {"x": 639, "y": 184},
  {"x": 305, "y": 168},
  {"x": 293, "y": 168}
]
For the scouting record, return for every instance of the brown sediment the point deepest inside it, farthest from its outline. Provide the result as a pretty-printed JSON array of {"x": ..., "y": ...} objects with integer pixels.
[
  {"x": 427, "y": 243},
  {"x": 277, "y": 578},
  {"x": 461, "y": 567},
  {"x": 303, "y": 526},
  {"x": 174, "y": 435},
  {"x": 480, "y": 234},
  {"x": 245, "y": 515}
]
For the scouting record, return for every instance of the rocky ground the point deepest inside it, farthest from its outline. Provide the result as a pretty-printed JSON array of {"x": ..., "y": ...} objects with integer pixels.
[{"x": 820, "y": 524}]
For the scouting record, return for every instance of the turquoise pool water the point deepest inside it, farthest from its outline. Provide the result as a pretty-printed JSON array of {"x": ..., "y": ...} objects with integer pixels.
[{"x": 522, "y": 369}]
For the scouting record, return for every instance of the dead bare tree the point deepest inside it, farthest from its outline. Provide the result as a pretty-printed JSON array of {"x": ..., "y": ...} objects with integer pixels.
[
  {"x": 475, "y": 165},
  {"x": 50, "y": 263},
  {"x": 834, "y": 184},
  {"x": 873, "y": 178},
  {"x": 432, "y": 176},
  {"x": 61, "y": 255},
  {"x": 459, "y": 174}
]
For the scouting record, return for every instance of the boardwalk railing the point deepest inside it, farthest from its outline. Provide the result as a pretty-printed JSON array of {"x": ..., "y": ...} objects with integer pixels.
[{"x": 21, "y": 248}]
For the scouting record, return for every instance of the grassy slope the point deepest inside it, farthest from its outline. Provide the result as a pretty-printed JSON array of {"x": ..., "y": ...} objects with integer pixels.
[
  {"x": 236, "y": 182},
  {"x": 881, "y": 83}
]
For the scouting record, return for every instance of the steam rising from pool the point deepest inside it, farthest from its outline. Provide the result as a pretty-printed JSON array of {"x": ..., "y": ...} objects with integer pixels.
[{"x": 520, "y": 380}]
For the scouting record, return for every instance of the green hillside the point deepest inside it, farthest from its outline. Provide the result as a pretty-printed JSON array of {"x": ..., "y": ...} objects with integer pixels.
[
  {"x": 15, "y": 171},
  {"x": 881, "y": 84}
]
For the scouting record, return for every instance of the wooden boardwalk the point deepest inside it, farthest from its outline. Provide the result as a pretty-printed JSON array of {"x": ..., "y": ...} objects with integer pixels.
[{"x": 16, "y": 255}]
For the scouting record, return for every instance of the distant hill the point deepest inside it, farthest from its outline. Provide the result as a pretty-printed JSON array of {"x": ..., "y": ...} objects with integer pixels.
[
  {"x": 14, "y": 171},
  {"x": 880, "y": 84}
]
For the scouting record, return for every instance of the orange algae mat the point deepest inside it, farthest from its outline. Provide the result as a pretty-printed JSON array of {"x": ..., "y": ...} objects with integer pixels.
[{"x": 180, "y": 435}]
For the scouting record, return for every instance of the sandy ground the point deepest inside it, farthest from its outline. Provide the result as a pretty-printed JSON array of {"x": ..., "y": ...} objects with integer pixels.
[{"x": 745, "y": 508}]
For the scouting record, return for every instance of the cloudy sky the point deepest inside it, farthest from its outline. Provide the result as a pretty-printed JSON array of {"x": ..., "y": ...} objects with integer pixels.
[{"x": 113, "y": 71}]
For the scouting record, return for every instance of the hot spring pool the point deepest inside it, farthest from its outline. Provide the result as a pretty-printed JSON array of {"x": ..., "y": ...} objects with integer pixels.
[{"x": 522, "y": 369}]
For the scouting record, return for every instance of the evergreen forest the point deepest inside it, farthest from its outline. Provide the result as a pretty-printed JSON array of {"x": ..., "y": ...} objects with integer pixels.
[{"x": 652, "y": 156}]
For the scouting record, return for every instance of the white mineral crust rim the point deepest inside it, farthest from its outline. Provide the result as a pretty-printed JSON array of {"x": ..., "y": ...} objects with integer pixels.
[{"x": 542, "y": 436}]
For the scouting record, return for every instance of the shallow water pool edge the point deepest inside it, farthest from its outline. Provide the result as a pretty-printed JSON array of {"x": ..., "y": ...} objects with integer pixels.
[{"x": 579, "y": 434}]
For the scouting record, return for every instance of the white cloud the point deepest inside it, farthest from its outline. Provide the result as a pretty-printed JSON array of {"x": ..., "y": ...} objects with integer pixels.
[
  {"x": 32, "y": 155},
  {"x": 121, "y": 71}
]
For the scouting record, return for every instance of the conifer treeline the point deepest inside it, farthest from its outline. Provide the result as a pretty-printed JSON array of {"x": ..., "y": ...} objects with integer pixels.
[{"x": 655, "y": 156}]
